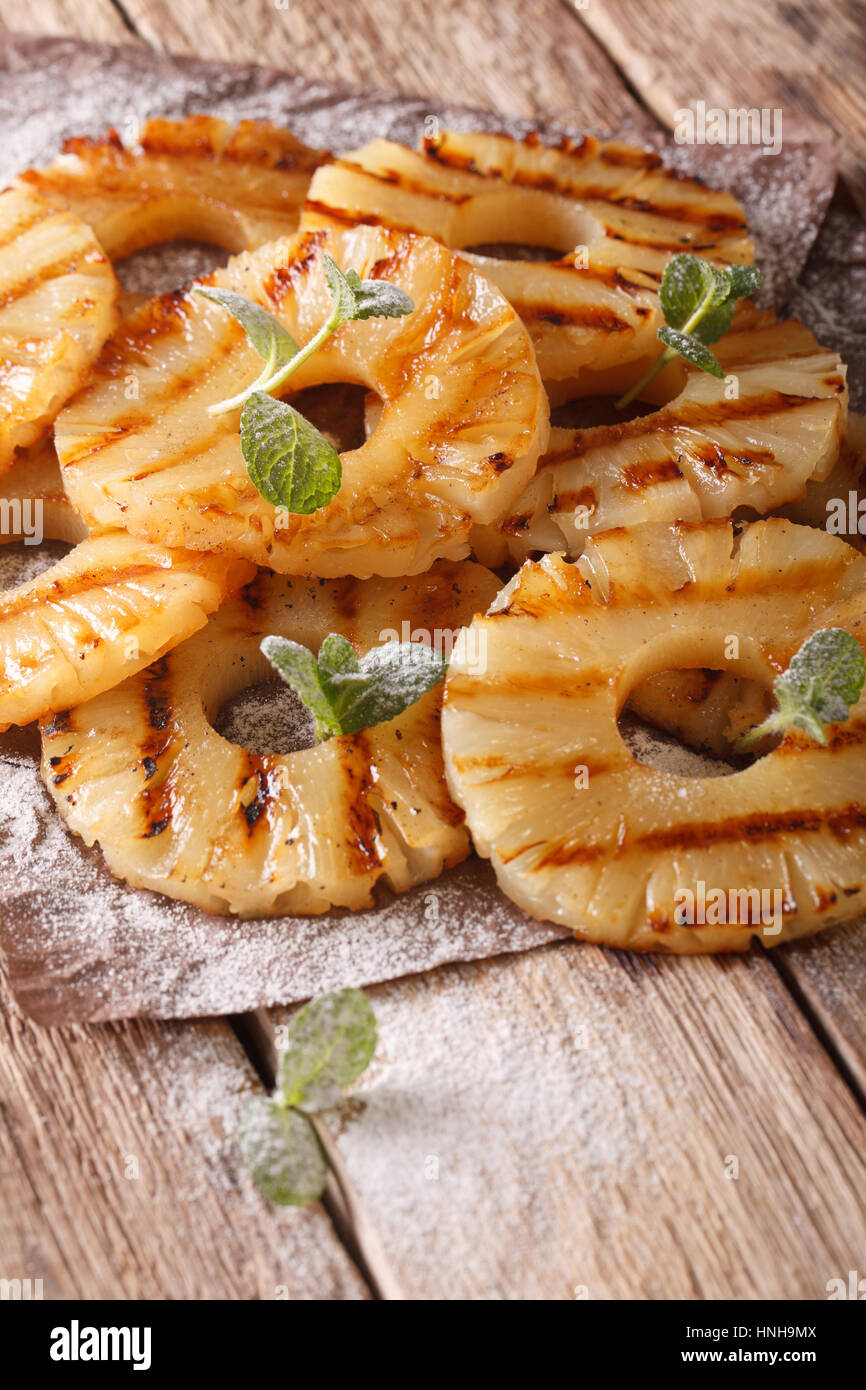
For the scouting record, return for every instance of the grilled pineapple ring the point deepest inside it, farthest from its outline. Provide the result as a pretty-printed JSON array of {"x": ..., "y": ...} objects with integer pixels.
[
  {"x": 464, "y": 418},
  {"x": 58, "y": 297},
  {"x": 580, "y": 833},
  {"x": 179, "y": 809},
  {"x": 198, "y": 177},
  {"x": 613, "y": 211},
  {"x": 32, "y": 496},
  {"x": 109, "y": 607},
  {"x": 754, "y": 439}
]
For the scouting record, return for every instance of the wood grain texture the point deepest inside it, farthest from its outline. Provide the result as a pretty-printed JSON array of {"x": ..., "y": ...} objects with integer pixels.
[
  {"x": 93, "y": 19},
  {"x": 558, "y": 1125},
  {"x": 522, "y": 57},
  {"x": 828, "y": 975},
  {"x": 120, "y": 1177},
  {"x": 807, "y": 57}
]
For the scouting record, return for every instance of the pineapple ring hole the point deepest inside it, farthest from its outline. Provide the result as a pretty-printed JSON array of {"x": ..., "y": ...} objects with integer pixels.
[
  {"x": 21, "y": 561},
  {"x": 539, "y": 225},
  {"x": 691, "y": 750},
  {"x": 345, "y": 412},
  {"x": 159, "y": 268},
  {"x": 266, "y": 718}
]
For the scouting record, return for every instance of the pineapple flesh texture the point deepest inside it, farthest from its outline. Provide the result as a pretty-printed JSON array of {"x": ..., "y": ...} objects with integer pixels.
[
  {"x": 178, "y": 808},
  {"x": 580, "y": 833},
  {"x": 612, "y": 211},
  {"x": 35, "y": 483},
  {"x": 464, "y": 415},
  {"x": 58, "y": 297},
  {"x": 111, "y": 606},
  {"x": 753, "y": 440},
  {"x": 199, "y": 178}
]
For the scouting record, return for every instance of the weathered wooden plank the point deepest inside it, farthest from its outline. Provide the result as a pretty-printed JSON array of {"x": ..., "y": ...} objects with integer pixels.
[
  {"x": 829, "y": 974},
  {"x": 524, "y": 59},
  {"x": 808, "y": 60},
  {"x": 120, "y": 1176},
  {"x": 97, "y": 19},
  {"x": 566, "y": 1124}
]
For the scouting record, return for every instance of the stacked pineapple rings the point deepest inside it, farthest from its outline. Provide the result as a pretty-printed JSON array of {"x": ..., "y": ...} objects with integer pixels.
[{"x": 128, "y": 648}]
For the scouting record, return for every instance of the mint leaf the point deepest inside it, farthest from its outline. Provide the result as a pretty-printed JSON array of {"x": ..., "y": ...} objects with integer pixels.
[
  {"x": 823, "y": 681},
  {"x": 288, "y": 459},
  {"x": 743, "y": 280},
  {"x": 698, "y": 303},
  {"x": 329, "y": 1043},
  {"x": 689, "y": 346},
  {"x": 282, "y": 1152},
  {"x": 266, "y": 334},
  {"x": 297, "y": 667},
  {"x": 346, "y": 693},
  {"x": 389, "y": 679},
  {"x": 355, "y": 298},
  {"x": 687, "y": 282}
]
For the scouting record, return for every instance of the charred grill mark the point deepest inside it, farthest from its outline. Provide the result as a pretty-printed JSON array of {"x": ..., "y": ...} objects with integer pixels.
[
  {"x": 60, "y": 723},
  {"x": 839, "y": 736},
  {"x": 354, "y": 219},
  {"x": 283, "y": 278},
  {"x": 758, "y": 827},
  {"x": 256, "y": 772},
  {"x": 156, "y": 694},
  {"x": 70, "y": 585},
  {"x": 21, "y": 288},
  {"x": 586, "y": 315},
  {"x": 637, "y": 476},
  {"x": 365, "y": 849}
]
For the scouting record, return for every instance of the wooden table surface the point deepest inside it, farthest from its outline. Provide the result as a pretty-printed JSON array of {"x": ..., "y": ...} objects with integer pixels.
[{"x": 566, "y": 1123}]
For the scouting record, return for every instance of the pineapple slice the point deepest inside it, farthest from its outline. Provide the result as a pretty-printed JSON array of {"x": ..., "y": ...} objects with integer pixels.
[
  {"x": 198, "y": 177},
  {"x": 108, "y": 608},
  {"x": 709, "y": 710},
  {"x": 612, "y": 211},
  {"x": 754, "y": 439},
  {"x": 464, "y": 414},
  {"x": 581, "y": 834},
  {"x": 178, "y": 808},
  {"x": 32, "y": 493},
  {"x": 58, "y": 298}
]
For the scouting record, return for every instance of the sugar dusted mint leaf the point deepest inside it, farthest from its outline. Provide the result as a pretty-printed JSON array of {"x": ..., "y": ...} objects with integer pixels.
[
  {"x": 347, "y": 693},
  {"x": 267, "y": 335},
  {"x": 355, "y": 298},
  {"x": 698, "y": 302},
  {"x": 282, "y": 1152},
  {"x": 689, "y": 346},
  {"x": 329, "y": 1043},
  {"x": 822, "y": 683},
  {"x": 389, "y": 679},
  {"x": 290, "y": 462}
]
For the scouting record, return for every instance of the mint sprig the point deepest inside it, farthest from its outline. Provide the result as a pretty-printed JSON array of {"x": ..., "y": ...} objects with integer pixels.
[
  {"x": 824, "y": 680},
  {"x": 698, "y": 302},
  {"x": 328, "y": 1044},
  {"x": 346, "y": 693},
  {"x": 289, "y": 461}
]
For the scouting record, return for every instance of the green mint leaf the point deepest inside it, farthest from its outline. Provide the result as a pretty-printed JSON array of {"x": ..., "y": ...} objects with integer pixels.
[
  {"x": 282, "y": 1152},
  {"x": 743, "y": 280},
  {"x": 823, "y": 681},
  {"x": 389, "y": 679},
  {"x": 692, "y": 349},
  {"x": 288, "y": 459},
  {"x": 825, "y": 676},
  {"x": 346, "y": 693},
  {"x": 355, "y": 298},
  {"x": 297, "y": 667},
  {"x": 266, "y": 333},
  {"x": 688, "y": 282},
  {"x": 381, "y": 299},
  {"x": 342, "y": 289},
  {"x": 329, "y": 1043}
]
